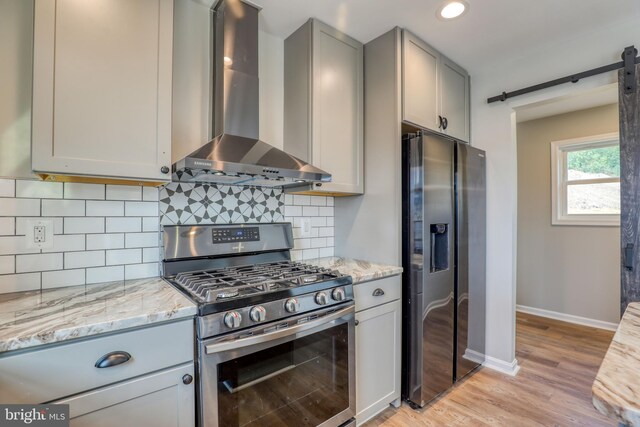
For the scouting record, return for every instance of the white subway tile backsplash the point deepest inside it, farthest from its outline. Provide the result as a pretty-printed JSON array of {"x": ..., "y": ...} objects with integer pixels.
[
  {"x": 105, "y": 274},
  {"x": 84, "y": 259},
  {"x": 13, "y": 245},
  {"x": 325, "y": 252},
  {"x": 123, "y": 225},
  {"x": 150, "y": 194},
  {"x": 319, "y": 221},
  {"x": 19, "y": 207},
  {"x": 7, "y": 265},
  {"x": 105, "y": 208},
  {"x": 124, "y": 256},
  {"x": 150, "y": 223},
  {"x": 141, "y": 271},
  {"x": 325, "y": 231},
  {"x": 141, "y": 240},
  {"x": 57, "y": 279},
  {"x": 83, "y": 225},
  {"x": 62, "y": 208},
  {"x": 39, "y": 189},
  {"x": 150, "y": 255},
  {"x": 7, "y": 226},
  {"x": 141, "y": 209},
  {"x": 301, "y": 200},
  {"x": 38, "y": 262},
  {"x": 22, "y": 223},
  {"x": 310, "y": 254},
  {"x": 310, "y": 211},
  {"x": 319, "y": 242},
  {"x": 328, "y": 211},
  {"x": 293, "y": 211},
  {"x": 318, "y": 201},
  {"x": 67, "y": 243},
  {"x": 109, "y": 233},
  {"x": 105, "y": 241},
  {"x": 124, "y": 192},
  {"x": 7, "y": 188},
  {"x": 74, "y": 190},
  {"x": 19, "y": 282}
]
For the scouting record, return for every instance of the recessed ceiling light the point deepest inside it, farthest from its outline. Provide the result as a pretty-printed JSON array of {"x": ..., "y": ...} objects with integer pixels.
[{"x": 452, "y": 9}]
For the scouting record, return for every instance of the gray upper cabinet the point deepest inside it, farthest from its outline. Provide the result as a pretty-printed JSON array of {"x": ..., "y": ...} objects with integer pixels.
[
  {"x": 419, "y": 82},
  {"x": 435, "y": 91},
  {"x": 323, "y": 104},
  {"x": 102, "y": 88},
  {"x": 454, "y": 99}
]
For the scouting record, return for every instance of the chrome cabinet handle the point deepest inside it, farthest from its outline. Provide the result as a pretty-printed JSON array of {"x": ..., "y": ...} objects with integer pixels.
[
  {"x": 445, "y": 123},
  {"x": 114, "y": 358},
  {"x": 378, "y": 292}
]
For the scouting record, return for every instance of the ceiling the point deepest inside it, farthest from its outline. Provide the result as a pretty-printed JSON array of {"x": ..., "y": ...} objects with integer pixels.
[
  {"x": 603, "y": 95},
  {"x": 490, "y": 30}
]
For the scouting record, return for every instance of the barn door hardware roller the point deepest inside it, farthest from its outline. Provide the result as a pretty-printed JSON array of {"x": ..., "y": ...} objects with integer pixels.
[{"x": 629, "y": 59}]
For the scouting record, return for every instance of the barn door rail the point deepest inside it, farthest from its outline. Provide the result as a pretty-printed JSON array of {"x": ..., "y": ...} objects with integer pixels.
[{"x": 629, "y": 59}]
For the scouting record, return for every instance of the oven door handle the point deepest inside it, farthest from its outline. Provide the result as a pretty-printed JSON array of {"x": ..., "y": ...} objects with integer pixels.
[{"x": 249, "y": 341}]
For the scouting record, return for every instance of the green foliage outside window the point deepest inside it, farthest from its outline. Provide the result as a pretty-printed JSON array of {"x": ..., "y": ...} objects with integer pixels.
[{"x": 605, "y": 160}]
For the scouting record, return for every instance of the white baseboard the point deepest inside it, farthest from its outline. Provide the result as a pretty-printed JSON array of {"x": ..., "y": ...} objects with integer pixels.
[
  {"x": 585, "y": 321},
  {"x": 473, "y": 356},
  {"x": 509, "y": 368}
]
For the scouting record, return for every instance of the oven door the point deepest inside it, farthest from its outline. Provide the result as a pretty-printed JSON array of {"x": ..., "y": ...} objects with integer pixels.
[{"x": 299, "y": 372}]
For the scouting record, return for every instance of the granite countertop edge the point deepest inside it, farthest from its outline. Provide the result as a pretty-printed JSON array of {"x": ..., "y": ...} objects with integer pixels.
[
  {"x": 359, "y": 270},
  {"x": 39, "y": 318},
  {"x": 616, "y": 388}
]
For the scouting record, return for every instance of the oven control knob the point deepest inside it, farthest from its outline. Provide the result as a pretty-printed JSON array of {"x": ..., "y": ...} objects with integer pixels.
[
  {"x": 338, "y": 294},
  {"x": 321, "y": 298},
  {"x": 258, "y": 313},
  {"x": 232, "y": 319},
  {"x": 292, "y": 305}
]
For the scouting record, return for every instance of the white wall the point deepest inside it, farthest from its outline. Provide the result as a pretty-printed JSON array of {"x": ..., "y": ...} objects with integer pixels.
[
  {"x": 566, "y": 269},
  {"x": 493, "y": 129}
]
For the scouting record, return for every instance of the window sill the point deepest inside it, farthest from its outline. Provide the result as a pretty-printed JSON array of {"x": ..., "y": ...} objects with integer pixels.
[{"x": 613, "y": 221}]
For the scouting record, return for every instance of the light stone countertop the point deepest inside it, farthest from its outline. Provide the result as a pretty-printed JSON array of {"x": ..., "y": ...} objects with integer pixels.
[
  {"x": 359, "y": 270},
  {"x": 616, "y": 389},
  {"x": 34, "y": 318}
]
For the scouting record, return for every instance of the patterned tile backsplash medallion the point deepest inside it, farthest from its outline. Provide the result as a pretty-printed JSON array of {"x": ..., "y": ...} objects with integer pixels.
[
  {"x": 110, "y": 232},
  {"x": 184, "y": 203}
]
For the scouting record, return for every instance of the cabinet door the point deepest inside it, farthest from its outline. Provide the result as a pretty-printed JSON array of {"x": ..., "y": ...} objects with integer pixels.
[
  {"x": 337, "y": 109},
  {"x": 158, "y": 400},
  {"x": 454, "y": 99},
  {"x": 419, "y": 82},
  {"x": 102, "y": 88},
  {"x": 378, "y": 344}
]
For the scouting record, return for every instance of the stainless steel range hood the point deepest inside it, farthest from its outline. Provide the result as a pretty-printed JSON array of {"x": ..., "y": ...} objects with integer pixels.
[{"x": 225, "y": 84}]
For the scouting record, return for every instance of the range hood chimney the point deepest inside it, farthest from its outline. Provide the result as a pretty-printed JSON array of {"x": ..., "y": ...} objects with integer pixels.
[{"x": 233, "y": 153}]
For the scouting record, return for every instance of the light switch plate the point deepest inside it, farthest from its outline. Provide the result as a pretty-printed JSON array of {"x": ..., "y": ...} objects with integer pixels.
[
  {"x": 39, "y": 233},
  {"x": 305, "y": 225}
]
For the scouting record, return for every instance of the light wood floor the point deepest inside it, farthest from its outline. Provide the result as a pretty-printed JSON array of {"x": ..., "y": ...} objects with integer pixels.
[{"x": 553, "y": 388}]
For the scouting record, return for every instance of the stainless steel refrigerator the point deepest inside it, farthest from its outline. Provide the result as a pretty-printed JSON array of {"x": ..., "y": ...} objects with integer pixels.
[{"x": 444, "y": 234}]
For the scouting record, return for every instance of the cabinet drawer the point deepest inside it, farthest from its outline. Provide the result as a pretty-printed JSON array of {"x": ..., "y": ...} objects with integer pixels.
[
  {"x": 376, "y": 292},
  {"x": 51, "y": 373}
]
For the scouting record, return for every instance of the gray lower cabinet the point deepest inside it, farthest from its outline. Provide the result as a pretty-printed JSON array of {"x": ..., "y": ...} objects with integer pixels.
[
  {"x": 378, "y": 346},
  {"x": 146, "y": 377},
  {"x": 161, "y": 399}
]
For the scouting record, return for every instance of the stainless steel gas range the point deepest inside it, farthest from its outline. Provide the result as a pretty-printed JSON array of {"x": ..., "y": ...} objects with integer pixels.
[{"x": 275, "y": 338}]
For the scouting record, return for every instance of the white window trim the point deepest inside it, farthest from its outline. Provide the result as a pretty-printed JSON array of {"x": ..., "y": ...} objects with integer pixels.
[{"x": 559, "y": 151}]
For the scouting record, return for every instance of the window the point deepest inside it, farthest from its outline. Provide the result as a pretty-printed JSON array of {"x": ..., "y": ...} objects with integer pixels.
[{"x": 585, "y": 178}]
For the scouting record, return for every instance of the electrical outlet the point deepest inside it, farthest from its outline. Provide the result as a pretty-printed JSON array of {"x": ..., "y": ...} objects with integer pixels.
[
  {"x": 305, "y": 224},
  {"x": 39, "y": 233}
]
